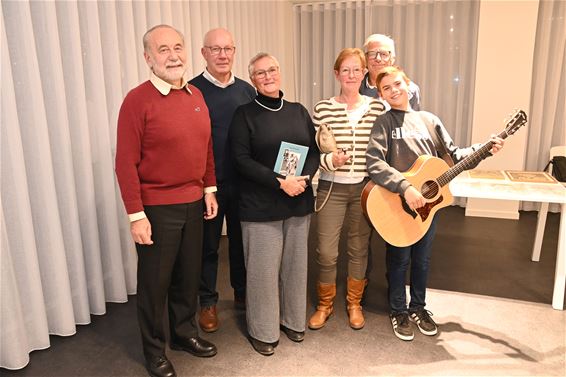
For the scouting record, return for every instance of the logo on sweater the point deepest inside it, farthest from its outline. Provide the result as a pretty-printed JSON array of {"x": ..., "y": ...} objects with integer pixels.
[
  {"x": 197, "y": 109},
  {"x": 406, "y": 133}
]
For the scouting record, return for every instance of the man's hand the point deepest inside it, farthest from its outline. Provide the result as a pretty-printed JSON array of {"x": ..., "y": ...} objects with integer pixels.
[
  {"x": 141, "y": 231},
  {"x": 497, "y": 144},
  {"x": 211, "y": 206},
  {"x": 414, "y": 198},
  {"x": 292, "y": 185}
]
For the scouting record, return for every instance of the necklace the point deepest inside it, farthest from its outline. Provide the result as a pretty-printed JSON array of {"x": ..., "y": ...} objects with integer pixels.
[{"x": 269, "y": 108}]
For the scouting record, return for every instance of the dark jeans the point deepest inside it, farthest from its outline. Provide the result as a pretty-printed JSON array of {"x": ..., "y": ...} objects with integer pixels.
[
  {"x": 397, "y": 260},
  {"x": 169, "y": 269},
  {"x": 227, "y": 197}
]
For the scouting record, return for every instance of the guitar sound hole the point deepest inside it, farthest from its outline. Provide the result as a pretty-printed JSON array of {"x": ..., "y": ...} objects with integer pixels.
[{"x": 429, "y": 189}]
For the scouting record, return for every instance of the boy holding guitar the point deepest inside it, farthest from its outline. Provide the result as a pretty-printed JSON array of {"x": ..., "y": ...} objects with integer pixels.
[{"x": 397, "y": 140}]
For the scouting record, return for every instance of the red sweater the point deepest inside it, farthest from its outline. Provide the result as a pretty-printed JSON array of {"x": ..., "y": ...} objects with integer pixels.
[{"x": 164, "y": 147}]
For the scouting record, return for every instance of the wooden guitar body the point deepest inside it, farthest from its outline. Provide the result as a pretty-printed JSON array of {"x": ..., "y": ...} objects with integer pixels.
[
  {"x": 391, "y": 216},
  {"x": 389, "y": 213}
]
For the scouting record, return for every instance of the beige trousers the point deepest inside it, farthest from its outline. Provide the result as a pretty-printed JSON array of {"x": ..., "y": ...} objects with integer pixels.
[{"x": 343, "y": 209}]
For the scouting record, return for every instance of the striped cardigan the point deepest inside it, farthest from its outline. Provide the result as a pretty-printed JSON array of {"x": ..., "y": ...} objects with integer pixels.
[{"x": 355, "y": 140}]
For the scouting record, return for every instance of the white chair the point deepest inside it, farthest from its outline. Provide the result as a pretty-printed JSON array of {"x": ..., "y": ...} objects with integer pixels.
[{"x": 543, "y": 211}]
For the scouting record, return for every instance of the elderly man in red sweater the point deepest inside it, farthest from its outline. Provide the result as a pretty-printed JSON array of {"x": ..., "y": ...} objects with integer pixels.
[{"x": 165, "y": 166}]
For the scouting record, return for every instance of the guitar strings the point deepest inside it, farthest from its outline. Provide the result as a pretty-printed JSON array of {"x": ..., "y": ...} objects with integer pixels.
[{"x": 475, "y": 158}]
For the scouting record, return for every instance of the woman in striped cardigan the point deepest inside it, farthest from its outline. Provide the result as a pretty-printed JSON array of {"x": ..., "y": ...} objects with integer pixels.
[{"x": 350, "y": 115}]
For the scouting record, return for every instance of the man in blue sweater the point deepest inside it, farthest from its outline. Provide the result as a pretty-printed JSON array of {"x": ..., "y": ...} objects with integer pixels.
[
  {"x": 223, "y": 93},
  {"x": 380, "y": 53}
]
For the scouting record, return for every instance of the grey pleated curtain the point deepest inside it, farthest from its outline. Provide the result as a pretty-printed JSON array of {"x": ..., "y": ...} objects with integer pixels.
[
  {"x": 547, "y": 117},
  {"x": 66, "y": 66},
  {"x": 65, "y": 247},
  {"x": 435, "y": 43}
]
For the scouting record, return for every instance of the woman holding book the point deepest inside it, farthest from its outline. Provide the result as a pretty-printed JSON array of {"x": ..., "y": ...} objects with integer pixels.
[
  {"x": 275, "y": 206},
  {"x": 350, "y": 116}
]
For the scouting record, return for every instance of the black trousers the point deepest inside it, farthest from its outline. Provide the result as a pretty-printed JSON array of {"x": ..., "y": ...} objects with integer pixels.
[
  {"x": 228, "y": 205},
  {"x": 169, "y": 270}
]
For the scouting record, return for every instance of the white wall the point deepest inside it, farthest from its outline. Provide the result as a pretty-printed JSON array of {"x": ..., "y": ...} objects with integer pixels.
[
  {"x": 256, "y": 27},
  {"x": 503, "y": 82}
]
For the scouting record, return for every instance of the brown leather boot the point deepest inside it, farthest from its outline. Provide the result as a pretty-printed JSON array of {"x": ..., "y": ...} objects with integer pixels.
[
  {"x": 326, "y": 294},
  {"x": 208, "y": 319},
  {"x": 354, "y": 296}
]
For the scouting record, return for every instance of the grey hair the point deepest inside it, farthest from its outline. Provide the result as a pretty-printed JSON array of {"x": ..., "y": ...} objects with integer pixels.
[
  {"x": 147, "y": 35},
  {"x": 380, "y": 38},
  {"x": 259, "y": 56}
]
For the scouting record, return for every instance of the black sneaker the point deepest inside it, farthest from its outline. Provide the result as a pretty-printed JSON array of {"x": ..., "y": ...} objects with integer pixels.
[
  {"x": 425, "y": 323},
  {"x": 402, "y": 326}
]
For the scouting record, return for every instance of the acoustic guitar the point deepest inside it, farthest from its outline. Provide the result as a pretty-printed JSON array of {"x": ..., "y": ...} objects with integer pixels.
[{"x": 390, "y": 214}]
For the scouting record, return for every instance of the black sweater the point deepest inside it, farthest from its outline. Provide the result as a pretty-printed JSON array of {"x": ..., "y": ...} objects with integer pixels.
[
  {"x": 255, "y": 137},
  {"x": 221, "y": 103}
]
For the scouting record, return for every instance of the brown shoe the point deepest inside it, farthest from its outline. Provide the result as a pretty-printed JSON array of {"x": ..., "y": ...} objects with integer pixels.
[
  {"x": 326, "y": 294},
  {"x": 354, "y": 296},
  {"x": 208, "y": 319}
]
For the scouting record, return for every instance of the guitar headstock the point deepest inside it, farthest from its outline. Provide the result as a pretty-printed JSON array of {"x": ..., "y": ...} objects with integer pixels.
[{"x": 516, "y": 120}]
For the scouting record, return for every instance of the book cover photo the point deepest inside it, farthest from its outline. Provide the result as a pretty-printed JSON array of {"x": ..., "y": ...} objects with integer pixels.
[{"x": 290, "y": 159}]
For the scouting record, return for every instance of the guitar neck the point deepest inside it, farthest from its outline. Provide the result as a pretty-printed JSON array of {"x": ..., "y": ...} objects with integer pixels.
[{"x": 469, "y": 162}]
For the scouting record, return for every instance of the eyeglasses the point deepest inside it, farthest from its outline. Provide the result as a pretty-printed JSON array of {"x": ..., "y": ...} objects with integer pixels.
[
  {"x": 383, "y": 55},
  {"x": 216, "y": 50},
  {"x": 355, "y": 71},
  {"x": 273, "y": 71}
]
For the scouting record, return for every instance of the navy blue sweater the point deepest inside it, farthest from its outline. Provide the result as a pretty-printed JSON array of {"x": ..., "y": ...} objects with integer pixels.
[{"x": 222, "y": 103}]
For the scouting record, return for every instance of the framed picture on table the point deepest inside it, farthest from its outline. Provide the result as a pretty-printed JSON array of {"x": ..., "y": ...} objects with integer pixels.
[{"x": 530, "y": 176}]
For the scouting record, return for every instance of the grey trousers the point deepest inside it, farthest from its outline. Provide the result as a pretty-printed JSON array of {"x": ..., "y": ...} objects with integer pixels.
[{"x": 276, "y": 268}]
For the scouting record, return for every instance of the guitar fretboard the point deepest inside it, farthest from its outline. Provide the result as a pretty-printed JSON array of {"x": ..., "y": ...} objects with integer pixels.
[{"x": 468, "y": 162}]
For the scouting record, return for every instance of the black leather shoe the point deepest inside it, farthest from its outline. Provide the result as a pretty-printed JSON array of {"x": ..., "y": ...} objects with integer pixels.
[
  {"x": 195, "y": 346},
  {"x": 266, "y": 349},
  {"x": 295, "y": 336},
  {"x": 160, "y": 366}
]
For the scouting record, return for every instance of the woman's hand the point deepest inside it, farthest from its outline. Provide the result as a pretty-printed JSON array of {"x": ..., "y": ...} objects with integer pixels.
[
  {"x": 340, "y": 157},
  {"x": 292, "y": 185}
]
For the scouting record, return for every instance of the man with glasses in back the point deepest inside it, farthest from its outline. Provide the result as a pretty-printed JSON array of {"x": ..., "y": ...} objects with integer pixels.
[
  {"x": 223, "y": 93},
  {"x": 380, "y": 53}
]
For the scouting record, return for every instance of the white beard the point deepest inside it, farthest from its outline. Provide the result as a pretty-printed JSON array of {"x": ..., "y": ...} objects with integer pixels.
[{"x": 170, "y": 74}]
